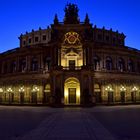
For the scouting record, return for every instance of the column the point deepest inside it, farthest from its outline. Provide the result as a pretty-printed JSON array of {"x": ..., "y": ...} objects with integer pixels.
[
  {"x": 28, "y": 63},
  {"x": 59, "y": 57},
  {"x": 27, "y": 94}
]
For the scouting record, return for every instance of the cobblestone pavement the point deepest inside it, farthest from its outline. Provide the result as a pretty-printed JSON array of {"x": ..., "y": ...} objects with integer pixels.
[
  {"x": 45, "y": 123},
  {"x": 69, "y": 125}
]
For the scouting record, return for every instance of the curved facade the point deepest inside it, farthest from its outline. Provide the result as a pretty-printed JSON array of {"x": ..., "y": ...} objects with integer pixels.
[{"x": 70, "y": 63}]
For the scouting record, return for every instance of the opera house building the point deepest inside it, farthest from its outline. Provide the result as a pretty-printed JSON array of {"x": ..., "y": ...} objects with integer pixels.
[{"x": 70, "y": 63}]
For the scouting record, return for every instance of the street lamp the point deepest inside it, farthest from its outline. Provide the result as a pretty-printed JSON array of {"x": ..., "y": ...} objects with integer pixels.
[
  {"x": 9, "y": 90},
  {"x": 108, "y": 88},
  {"x": 122, "y": 88},
  {"x": 110, "y": 93},
  {"x": 134, "y": 92},
  {"x": 122, "y": 94},
  {"x": 134, "y": 88},
  {"x": 35, "y": 89},
  {"x": 21, "y": 89}
]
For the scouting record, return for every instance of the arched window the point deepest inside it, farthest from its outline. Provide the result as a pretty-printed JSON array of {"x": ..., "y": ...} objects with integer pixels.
[
  {"x": 121, "y": 64},
  {"x": 130, "y": 66},
  {"x": 138, "y": 67},
  {"x": 96, "y": 61},
  {"x": 97, "y": 93},
  {"x": 109, "y": 64},
  {"x": 34, "y": 64},
  {"x": 48, "y": 88},
  {"x": 5, "y": 68},
  {"x": 22, "y": 65},
  {"x": 13, "y": 67},
  {"x": 47, "y": 63}
]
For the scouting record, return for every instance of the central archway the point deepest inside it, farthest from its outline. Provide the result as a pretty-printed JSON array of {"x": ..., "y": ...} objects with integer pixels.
[{"x": 72, "y": 91}]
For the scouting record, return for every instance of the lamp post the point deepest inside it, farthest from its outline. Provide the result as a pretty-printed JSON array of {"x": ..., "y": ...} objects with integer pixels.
[
  {"x": 21, "y": 92},
  {"x": 110, "y": 93},
  {"x": 133, "y": 94},
  {"x": 34, "y": 95},
  {"x": 9, "y": 90},
  {"x": 122, "y": 94}
]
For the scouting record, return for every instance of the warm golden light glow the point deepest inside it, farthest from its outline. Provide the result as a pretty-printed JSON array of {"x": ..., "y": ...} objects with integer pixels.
[
  {"x": 21, "y": 89},
  {"x": 1, "y": 90},
  {"x": 9, "y": 90},
  {"x": 35, "y": 89},
  {"x": 71, "y": 51},
  {"x": 78, "y": 94},
  {"x": 108, "y": 88},
  {"x": 47, "y": 88},
  {"x": 72, "y": 83},
  {"x": 122, "y": 88},
  {"x": 134, "y": 88},
  {"x": 71, "y": 38}
]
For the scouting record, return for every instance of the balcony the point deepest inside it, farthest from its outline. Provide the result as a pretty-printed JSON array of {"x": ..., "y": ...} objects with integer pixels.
[{"x": 72, "y": 68}]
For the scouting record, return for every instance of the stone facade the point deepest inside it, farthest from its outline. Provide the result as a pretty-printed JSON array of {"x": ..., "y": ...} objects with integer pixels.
[{"x": 70, "y": 63}]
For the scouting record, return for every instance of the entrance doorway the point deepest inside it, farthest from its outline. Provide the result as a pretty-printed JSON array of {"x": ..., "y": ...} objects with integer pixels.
[
  {"x": 133, "y": 96},
  {"x": 11, "y": 97},
  {"x": 72, "y": 91},
  {"x": 72, "y": 64},
  {"x": 110, "y": 97},
  {"x": 122, "y": 96},
  {"x": 98, "y": 97},
  {"x": 34, "y": 97},
  {"x": 72, "y": 95},
  {"x": 22, "y": 97}
]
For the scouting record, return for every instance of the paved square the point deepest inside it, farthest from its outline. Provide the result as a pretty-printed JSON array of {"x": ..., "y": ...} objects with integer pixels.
[{"x": 44, "y": 123}]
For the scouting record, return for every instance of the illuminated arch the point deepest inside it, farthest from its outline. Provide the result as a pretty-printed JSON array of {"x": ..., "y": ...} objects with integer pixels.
[{"x": 71, "y": 83}]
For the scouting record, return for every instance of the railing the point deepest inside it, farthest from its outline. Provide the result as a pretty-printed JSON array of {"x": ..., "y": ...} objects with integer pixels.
[
  {"x": 25, "y": 72},
  {"x": 72, "y": 68}
]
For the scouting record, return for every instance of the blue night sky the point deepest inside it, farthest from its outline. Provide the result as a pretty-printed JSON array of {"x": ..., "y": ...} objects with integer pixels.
[{"x": 19, "y": 16}]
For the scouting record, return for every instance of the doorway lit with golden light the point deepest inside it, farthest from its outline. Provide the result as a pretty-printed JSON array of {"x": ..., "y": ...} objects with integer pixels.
[{"x": 72, "y": 91}]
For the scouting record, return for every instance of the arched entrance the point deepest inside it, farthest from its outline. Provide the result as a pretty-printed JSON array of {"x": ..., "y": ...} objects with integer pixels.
[
  {"x": 97, "y": 93},
  {"x": 47, "y": 93},
  {"x": 72, "y": 91}
]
